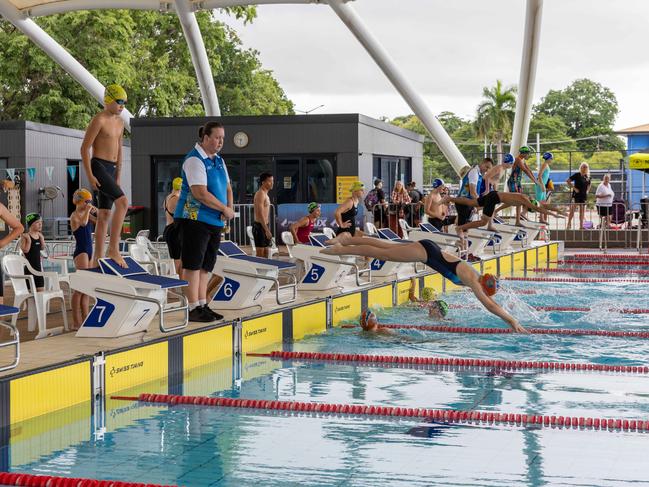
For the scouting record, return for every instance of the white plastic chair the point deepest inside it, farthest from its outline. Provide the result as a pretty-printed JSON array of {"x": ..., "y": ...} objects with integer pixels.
[
  {"x": 273, "y": 246},
  {"x": 287, "y": 238},
  {"x": 14, "y": 268},
  {"x": 146, "y": 255},
  {"x": 405, "y": 228},
  {"x": 371, "y": 229},
  {"x": 329, "y": 232}
]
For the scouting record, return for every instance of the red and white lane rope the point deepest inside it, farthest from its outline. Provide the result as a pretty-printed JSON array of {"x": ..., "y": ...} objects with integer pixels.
[
  {"x": 446, "y": 415},
  {"x": 583, "y": 309},
  {"x": 11, "y": 478},
  {"x": 634, "y": 257},
  {"x": 449, "y": 361},
  {"x": 572, "y": 270},
  {"x": 572, "y": 279},
  {"x": 603, "y": 263},
  {"x": 504, "y": 331}
]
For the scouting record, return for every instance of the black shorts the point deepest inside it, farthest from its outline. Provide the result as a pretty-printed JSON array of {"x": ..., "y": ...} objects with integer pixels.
[
  {"x": 579, "y": 197},
  {"x": 488, "y": 202},
  {"x": 463, "y": 214},
  {"x": 259, "y": 236},
  {"x": 351, "y": 230},
  {"x": 38, "y": 280},
  {"x": 199, "y": 244},
  {"x": 172, "y": 236},
  {"x": 108, "y": 190},
  {"x": 604, "y": 210},
  {"x": 440, "y": 224}
]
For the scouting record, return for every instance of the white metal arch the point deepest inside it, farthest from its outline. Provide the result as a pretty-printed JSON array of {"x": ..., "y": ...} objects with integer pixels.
[{"x": 19, "y": 11}]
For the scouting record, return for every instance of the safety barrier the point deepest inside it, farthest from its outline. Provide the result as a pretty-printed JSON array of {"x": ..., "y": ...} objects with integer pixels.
[
  {"x": 443, "y": 415},
  {"x": 573, "y": 279},
  {"x": 11, "y": 478},
  {"x": 503, "y": 331},
  {"x": 449, "y": 361},
  {"x": 572, "y": 270},
  {"x": 584, "y": 309}
]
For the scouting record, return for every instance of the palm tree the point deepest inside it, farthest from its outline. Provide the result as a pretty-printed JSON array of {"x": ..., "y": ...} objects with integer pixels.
[{"x": 495, "y": 115}]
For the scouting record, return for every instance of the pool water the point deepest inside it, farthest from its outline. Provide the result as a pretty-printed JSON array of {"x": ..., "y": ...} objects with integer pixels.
[{"x": 201, "y": 446}]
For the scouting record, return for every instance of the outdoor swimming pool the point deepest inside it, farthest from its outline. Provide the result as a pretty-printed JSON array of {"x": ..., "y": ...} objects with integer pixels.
[{"x": 199, "y": 445}]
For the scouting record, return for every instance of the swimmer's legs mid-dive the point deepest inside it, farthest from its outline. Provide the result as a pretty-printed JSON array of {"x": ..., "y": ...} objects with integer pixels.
[{"x": 377, "y": 249}]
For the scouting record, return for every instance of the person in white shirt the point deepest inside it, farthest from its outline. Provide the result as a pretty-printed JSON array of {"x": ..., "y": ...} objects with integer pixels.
[{"x": 604, "y": 197}]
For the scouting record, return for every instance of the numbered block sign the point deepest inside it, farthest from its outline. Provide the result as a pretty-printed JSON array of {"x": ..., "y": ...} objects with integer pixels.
[
  {"x": 314, "y": 275},
  {"x": 377, "y": 264},
  {"x": 228, "y": 290},
  {"x": 100, "y": 314}
]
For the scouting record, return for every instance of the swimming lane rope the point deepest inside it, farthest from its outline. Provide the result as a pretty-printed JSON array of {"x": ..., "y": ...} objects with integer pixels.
[
  {"x": 634, "y": 257},
  {"x": 13, "y": 478},
  {"x": 571, "y": 270},
  {"x": 583, "y": 309},
  {"x": 449, "y": 361},
  {"x": 601, "y": 263},
  {"x": 571, "y": 279},
  {"x": 503, "y": 331},
  {"x": 445, "y": 415}
]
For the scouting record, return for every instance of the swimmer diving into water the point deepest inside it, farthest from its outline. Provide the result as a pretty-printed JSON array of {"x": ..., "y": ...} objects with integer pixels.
[{"x": 428, "y": 252}]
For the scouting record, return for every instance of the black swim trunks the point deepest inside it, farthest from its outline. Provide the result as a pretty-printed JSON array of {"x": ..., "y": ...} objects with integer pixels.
[
  {"x": 440, "y": 224},
  {"x": 489, "y": 202},
  {"x": 108, "y": 190},
  {"x": 259, "y": 236},
  {"x": 172, "y": 236},
  {"x": 463, "y": 214}
]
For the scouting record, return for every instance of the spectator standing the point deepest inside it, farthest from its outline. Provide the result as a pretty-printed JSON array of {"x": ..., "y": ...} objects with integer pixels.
[
  {"x": 376, "y": 204},
  {"x": 579, "y": 182},
  {"x": 605, "y": 195},
  {"x": 400, "y": 199},
  {"x": 416, "y": 204},
  {"x": 261, "y": 226}
]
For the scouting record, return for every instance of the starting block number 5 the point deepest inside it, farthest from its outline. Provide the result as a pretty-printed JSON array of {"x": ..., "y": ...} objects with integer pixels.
[
  {"x": 315, "y": 273},
  {"x": 100, "y": 314}
]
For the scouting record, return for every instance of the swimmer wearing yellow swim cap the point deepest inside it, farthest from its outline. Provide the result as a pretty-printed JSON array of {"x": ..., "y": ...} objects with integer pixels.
[{"x": 345, "y": 214}]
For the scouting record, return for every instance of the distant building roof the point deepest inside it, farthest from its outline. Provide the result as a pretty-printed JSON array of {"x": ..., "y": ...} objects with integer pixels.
[{"x": 640, "y": 129}]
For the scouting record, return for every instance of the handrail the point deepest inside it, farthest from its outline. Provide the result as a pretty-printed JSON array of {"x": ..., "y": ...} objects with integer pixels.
[
  {"x": 15, "y": 342},
  {"x": 161, "y": 310}
]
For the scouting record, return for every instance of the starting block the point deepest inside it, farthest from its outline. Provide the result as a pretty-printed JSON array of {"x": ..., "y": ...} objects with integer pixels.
[
  {"x": 325, "y": 271},
  {"x": 247, "y": 279},
  {"x": 127, "y": 299}
]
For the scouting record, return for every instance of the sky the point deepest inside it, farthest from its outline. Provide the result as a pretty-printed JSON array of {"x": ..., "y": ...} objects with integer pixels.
[{"x": 450, "y": 50}]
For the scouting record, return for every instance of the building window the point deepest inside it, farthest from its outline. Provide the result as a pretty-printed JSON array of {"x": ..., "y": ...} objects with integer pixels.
[
  {"x": 392, "y": 169},
  {"x": 320, "y": 180}
]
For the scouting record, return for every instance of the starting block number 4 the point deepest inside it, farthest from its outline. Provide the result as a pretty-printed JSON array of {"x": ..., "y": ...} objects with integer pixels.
[{"x": 100, "y": 314}]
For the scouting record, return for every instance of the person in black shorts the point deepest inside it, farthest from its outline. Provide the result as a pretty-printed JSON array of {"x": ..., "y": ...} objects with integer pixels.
[
  {"x": 32, "y": 242},
  {"x": 579, "y": 182},
  {"x": 171, "y": 232},
  {"x": 489, "y": 202},
  {"x": 428, "y": 252},
  {"x": 261, "y": 233}
]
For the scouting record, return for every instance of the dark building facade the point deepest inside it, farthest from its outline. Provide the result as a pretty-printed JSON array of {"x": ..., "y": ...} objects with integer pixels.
[{"x": 311, "y": 157}]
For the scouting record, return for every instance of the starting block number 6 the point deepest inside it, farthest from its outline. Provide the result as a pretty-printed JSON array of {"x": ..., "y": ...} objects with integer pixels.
[{"x": 228, "y": 289}]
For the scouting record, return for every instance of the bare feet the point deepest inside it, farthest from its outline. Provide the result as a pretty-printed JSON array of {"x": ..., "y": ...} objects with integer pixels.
[
  {"x": 340, "y": 239},
  {"x": 118, "y": 258}
]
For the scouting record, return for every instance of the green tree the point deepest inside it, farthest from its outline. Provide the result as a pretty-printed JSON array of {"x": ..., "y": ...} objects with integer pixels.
[
  {"x": 551, "y": 128},
  {"x": 588, "y": 109},
  {"x": 144, "y": 51},
  {"x": 495, "y": 114}
]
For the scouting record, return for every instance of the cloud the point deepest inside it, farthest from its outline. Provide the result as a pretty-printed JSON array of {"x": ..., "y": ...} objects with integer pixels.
[{"x": 449, "y": 51}]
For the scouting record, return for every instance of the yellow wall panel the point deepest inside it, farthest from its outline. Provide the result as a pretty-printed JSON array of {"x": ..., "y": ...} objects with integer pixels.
[
  {"x": 542, "y": 260},
  {"x": 505, "y": 265},
  {"x": 46, "y": 392},
  {"x": 403, "y": 291},
  {"x": 261, "y": 332},
  {"x": 553, "y": 256},
  {"x": 309, "y": 320},
  {"x": 519, "y": 261},
  {"x": 436, "y": 281},
  {"x": 530, "y": 259},
  {"x": 206, "y": 347},
  {"x": 139, "y": 366},
  {"x": 346, "y": 308},
  {"x": 208, "y": 379},
  {"x": 490, "y": 266},
  {"x": 381, "y": 296}
]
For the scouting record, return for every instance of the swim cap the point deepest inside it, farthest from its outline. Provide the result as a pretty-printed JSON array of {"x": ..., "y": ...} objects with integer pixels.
[
  {"x": 313, "y": 206},
  {"x": 356, "y": 185},
  {"x": 489, "y": 284},
  {"x": 8, "y": 184},
  {"x": 177, "y": 183},
  {"x": 428, "y": 294},
  {"x": 438, "y": 183},
  {"x": 525, "y": 150},
  {"x": 508, "y": 158},
  {"x": 366, "y": 316},
  {"x": 441, "y": 306},
  {"x": 81, "y": 195},
  {"x": 547, "y": 156},
  {"x": 32, "y": 218},
  {"x": 114, "y": 93}
]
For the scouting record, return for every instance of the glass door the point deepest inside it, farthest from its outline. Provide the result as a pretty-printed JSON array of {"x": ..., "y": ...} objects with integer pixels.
[
  {"x": 253, "y": 168},
  {"x": 166, "y": 169},
  {"x": 287, "y": 182}
]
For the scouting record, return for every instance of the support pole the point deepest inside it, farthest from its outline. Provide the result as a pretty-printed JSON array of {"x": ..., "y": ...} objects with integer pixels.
[
  {"x": 58, "y": 53},
  {"x": 199, "y": 57},
  {"x": 531, "y": 40},
  {"x": 371, "y": 44}
]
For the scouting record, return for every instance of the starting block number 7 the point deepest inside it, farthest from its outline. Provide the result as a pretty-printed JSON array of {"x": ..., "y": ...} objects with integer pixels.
[{"x": 100, "y": 314}]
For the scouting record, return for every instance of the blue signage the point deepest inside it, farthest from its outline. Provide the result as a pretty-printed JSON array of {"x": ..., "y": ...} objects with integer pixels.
[
  {"x": 100, "y": 314},
  {"x": 314, "y": 274},
  {"x": 227, "y": 290}
]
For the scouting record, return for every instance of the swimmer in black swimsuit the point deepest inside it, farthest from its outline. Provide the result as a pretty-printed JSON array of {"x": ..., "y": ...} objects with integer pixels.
[{"x": 428, "y": 252}]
